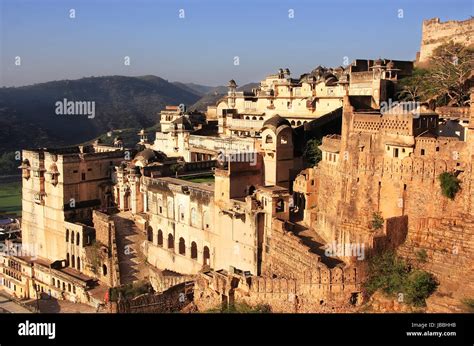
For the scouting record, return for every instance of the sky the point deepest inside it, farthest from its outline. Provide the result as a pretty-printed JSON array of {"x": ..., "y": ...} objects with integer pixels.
[{"x": 217, "y": 40}]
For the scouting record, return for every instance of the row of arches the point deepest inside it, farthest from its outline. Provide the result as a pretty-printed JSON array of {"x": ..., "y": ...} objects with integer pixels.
[
  {"x": 195, "y": 221},
  {"x": 77, "y": 237},
  {"x": 297, "y": 123},
  {"x": 170, "y": 244},
  {"x": 73, "y": 261},
  {"x": 253, "y": 118}
]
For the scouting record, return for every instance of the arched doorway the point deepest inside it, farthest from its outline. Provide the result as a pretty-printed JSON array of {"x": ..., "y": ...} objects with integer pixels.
[
  {"x": 194, "y": 251},
  {"x": 149, "y": 234},
  {"x": 160, "y": 237},
  {"x": 206, "y": 256},
  {"x": 182, "y": 246},
  {"x": 170, "y": 241}
]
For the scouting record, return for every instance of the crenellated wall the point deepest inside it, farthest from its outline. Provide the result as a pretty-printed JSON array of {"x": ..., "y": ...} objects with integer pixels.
[{"x": 435, "y": 33}]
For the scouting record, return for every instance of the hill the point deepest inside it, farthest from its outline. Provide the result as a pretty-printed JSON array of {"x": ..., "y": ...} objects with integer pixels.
[{"x": 28, "y": 118}]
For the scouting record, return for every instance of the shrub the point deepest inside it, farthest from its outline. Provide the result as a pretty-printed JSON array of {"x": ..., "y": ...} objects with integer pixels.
[
  {"x": 386, "y": 272},
  {"x": 238, "y": 308},
  {"x": 393, "y": 275},
  {"x": 421, "y": 256},
  {"x": 377, "y": 220},
  {"x": 450, "y": 184},
  {"x": 469, "y": 303},
  {"x": 131, "y": 290},
  {"x": 419, "y": 286}
]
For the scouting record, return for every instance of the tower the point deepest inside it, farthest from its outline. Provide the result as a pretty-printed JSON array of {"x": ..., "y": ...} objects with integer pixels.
[
  {"x": 278, "y": 151},
  {"x": 232, "y": 89}
]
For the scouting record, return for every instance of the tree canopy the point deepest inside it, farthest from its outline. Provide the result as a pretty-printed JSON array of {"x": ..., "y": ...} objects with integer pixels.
[{"x": 445, "y": 81}]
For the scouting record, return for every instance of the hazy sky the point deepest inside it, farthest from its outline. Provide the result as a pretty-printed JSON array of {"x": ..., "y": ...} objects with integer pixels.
[{"x": 201, "y": 47}]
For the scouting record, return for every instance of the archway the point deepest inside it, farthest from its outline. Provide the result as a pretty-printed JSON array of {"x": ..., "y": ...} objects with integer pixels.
[
  {"x": 206, "y": 256},
  {"x": 149, "y": 234},
  {"x": 170, "y": 241},
  {"x": 194, "y": 250},
  {"x": 182, "y": 246}
]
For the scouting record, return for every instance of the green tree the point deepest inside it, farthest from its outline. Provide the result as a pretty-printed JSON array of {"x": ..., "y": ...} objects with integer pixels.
[
  {"x": 450, "y": 67},
  {"x": 312, "y": 154},
  {"x": 393, "y": 275},
  {"x": 377, "y": 220},
  {"x": 9, "y": 164},
  {"x": 418, "y": 286},
  {"x": 445, "y": 80},
  {"x": 450, "y": 184},
  {"x": 176, "y": 168},
  {"x": 415, "y": 87}
]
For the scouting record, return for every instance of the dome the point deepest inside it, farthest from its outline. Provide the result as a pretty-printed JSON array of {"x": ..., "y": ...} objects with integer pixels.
[
  {"x": 149, "y": 155},
  {"x": 390, "y": 65},
  {"x": 378, "y": 62},
  {"x": 275, "y": 122}
]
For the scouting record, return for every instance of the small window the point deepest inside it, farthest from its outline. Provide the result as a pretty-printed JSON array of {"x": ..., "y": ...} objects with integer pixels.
[
  {"x": 284, "y": 140},
  {"x": 422, "y": 152},
  {"x": 83, "y": 176},
  {"x": 182, "y": 247},
  {"x": 269, "y": 139}
]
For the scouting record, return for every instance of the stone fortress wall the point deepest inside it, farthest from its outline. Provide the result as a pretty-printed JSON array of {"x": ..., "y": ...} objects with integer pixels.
[{"x": 435, "y": 33}]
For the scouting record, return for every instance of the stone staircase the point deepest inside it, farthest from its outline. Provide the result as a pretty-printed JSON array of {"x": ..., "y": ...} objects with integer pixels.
[{"x": 129, "y": 239}]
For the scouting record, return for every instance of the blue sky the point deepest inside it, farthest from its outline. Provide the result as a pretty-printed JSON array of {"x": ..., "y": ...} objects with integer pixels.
[{"x": 201, "y": 47}]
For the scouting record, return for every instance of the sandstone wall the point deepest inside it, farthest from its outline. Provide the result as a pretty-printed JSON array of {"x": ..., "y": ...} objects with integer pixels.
[
  {"x": 435, "y": 33},
  {"x": 449, "y": 247}
]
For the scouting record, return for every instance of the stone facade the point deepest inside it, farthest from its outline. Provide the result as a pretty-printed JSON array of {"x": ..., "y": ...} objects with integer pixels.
[{"x": 436, "y": 33}]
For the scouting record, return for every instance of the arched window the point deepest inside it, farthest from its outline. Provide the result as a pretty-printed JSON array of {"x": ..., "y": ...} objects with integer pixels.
[
  {"x": 293, "y": 123},
  {"x": 298, "y": 123},
  {"x": 193, "y": 217},
  {"x": 78, "y": 238},
  {"x": 194, "y": 250},
  {"x": 67, "y": 259},
  {"x": 149, "y": 234},
  {"x": 67, "y": 235},
  {"x": 251, "y": 190},
  {"x": 182, "y": 246},
  {"x": 78, "y": 263},
  {"x": 170, "y": 241},
  {"x": 160, "y": 206},
  {"x": 104, "y": 270},
  {"x": 160, "y": 237},
  {"x": 269, "y": 139},
  {"x": 205, "y": 220},
  {"x": 261, "y": 118},
  {"x": 181, "y": 213},
  {"x": 206, "y": 256},
  {"x": 72, "y": 237},
  {"x": 73, "y": 261}
]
